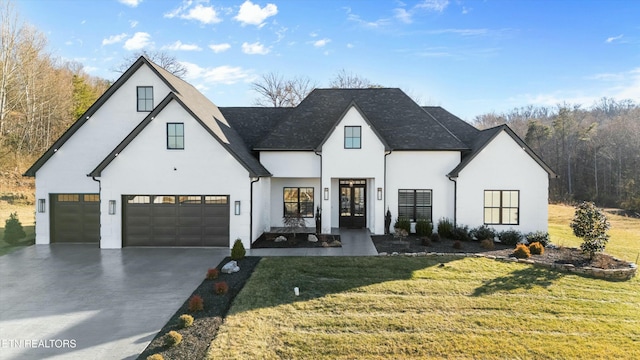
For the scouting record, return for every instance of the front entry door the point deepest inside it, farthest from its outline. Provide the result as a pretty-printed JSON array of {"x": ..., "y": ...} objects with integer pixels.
[{"x": 353, "y": 203}]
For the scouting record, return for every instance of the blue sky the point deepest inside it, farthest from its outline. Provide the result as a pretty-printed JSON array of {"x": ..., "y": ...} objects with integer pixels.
[{"x": 471, "y": 57}]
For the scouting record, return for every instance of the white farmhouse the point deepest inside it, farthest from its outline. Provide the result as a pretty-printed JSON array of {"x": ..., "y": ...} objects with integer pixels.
[{"x": 154, "y": 162}]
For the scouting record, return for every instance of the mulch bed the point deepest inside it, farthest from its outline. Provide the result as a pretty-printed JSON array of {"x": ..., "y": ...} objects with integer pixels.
[
  {"x": 560, "y": 255},
  {"x": 267, "y": 241},
  {"x": 196, "y": 338}
]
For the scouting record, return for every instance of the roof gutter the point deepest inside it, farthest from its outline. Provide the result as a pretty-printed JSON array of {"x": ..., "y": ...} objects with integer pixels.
[
  {"x": 253, "y": 181},
  {"x": 455, "y": 199},
  {"x": 319, "y": 153}
]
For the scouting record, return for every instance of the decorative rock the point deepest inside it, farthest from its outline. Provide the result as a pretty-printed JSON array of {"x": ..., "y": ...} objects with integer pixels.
[
  {"x": 312, "y": 238},
  {"x": 230, "y": 267},
  {"x": 280, "y": 239}
]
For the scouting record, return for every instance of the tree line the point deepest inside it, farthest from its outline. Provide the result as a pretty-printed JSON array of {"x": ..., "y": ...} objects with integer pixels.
[
  {"x": 40, "y": 95},
  {"x": 595, "y": 150}
]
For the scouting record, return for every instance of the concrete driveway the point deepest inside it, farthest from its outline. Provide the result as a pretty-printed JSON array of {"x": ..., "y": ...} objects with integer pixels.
[{"x": 79, "y": 302}]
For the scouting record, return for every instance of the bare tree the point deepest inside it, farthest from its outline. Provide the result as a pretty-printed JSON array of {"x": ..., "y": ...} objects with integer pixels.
[
  {"x": 274, "y": 90},
  {"x": 10, "y": 30},
  {"x": 349, "y": 80},
  {"x": 168, "y": 62}
]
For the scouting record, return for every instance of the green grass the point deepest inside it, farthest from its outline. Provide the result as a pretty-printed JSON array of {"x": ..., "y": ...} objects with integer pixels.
[
  {"x": 625, "y": 232},
  {"x": 27, "y": 218},
  {"x": 397, "y": 307}
]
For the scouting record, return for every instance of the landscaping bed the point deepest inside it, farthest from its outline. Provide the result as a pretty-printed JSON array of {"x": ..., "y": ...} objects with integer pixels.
[
  {"x": 196, "y": 338},
  {"x": 268, "y": 240}
]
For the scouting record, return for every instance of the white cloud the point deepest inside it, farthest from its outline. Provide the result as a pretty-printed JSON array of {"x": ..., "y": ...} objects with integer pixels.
[
  {"x": 114, "y": 39},
  {"x": 217, "y": 75},
  {"x": 403, "y": 15},
  {"x": 614, "y": 38},
  {"x": 133, "y": 23},
  {"x": 132, "y": 3},
  {"x": 350, "y": 46},
  {"x": 203, "y": 14},
  {"x": 90, "y": 69},
  {"x": 254, "y": 49},
  {"x": 321, "y": 42},
  {"x": 138, "y": 41},
  {"x": 218, "y": 48},
  {"x": 433, "y": 5},
  {"x": 369, "y": 24},
  {"x": 179, "y": 46},
  {"x": 253, "y": 14}
]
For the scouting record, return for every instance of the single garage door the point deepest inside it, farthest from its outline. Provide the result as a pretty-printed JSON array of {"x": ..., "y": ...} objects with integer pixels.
[
  {"x": 75, "y": 218},
  {"x": 176, "y": 220}
]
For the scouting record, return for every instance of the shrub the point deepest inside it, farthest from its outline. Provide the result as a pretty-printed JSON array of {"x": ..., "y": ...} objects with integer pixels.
[
  {"x": 424, "y": 227},
  {"x": 487, "y": 244},
  {"x": 13, "y": 230},
  {"x": 212, "y": 273},
  {"x": 435, "y": 237},
  {"x": 295, "y": 222},
  {"x": 541, "y": 237},
  {"x": 196, "y": 303},
  {"x": 155, "y": 357},
  {"x": 185, "y": 320},
  {"x": 238, "y": 252},
  {"x": 426, "y": 241},
  {"x": 457, "y": 244},
  {"x": 400, "y": 233},
  {"x": 403, "y": 223},
  {"x": 460, "y": 233},
  {"x": 221, "y": 288},
  {"x": 510, "y": 237},
  {"x": 536, "y": 248},
  {"x": 482, "y": 232},
  {"x": 522, "y": 251},
  {"x": 445, "y": 228},
  {"x": 590, "y": 224},
  {"x": 172, "y": 338}
]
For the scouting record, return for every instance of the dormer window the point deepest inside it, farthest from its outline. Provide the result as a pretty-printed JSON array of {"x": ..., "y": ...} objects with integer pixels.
[
  {"x": 352, "y": 137},
  {"x": 145, "y": 98}
]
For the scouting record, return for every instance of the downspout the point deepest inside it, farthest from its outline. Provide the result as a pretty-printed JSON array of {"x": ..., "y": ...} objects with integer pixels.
[
  {"x": 100, "y": 197},
  {"x": 455, "y": 199},
  {"x": 384, "y": 195},
  {"x": 319, "y": 231},
  {"x": 251, "y": 210}
]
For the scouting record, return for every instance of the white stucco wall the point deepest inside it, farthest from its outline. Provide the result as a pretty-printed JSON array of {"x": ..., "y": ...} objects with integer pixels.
[
  {"x": 66, "y": 171},
  {"x": 364, "y": 163},
  {"x": 277, "y": 197},
  {"x": 146, "y": 166},
  {"x": 503, "y": 165},
  {"x": 424, "y": 170},
  {"x": 291, "y": 164},
  {"x": 261, "y": 207}
]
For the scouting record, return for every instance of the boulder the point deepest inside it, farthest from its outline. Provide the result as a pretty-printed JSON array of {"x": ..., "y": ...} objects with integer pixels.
[
  {"x": 312, "y": 238},
  {"x": 230, "y": 267},
  {"x": 280, "y": 239}
]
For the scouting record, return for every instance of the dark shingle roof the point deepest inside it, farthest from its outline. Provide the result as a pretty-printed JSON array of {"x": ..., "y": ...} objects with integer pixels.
[
  {"x": 399, "y": 121},
  {"x": 460, "y": 128},
  {"x": 254, "y": 123}
]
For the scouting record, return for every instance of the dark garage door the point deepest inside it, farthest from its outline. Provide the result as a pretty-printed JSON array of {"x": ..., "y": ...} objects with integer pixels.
[
  {"x": 176, "y": 220},
  {"x": 75, "y": 218}
]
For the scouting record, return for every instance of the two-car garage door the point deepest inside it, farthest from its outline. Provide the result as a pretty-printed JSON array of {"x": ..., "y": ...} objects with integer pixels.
[{"x": 175, "y": 220}]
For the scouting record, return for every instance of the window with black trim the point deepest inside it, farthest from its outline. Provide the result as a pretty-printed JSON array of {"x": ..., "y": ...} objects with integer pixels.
[
  {"x": 501, "y": 207},
  {"x": 415, "y": 204},
  {"x": 145, "y": 98},
  {"x": 352, "y": 137},
  {"x": 298, "y": 200},
  {"x": 175, "y": 136}
]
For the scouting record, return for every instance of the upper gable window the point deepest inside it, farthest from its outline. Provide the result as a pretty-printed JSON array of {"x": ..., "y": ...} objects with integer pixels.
[
  {"x": 352, "y": 137},
  {"x": 145, "y": 98},
  {"x": 175, "y": 136}
]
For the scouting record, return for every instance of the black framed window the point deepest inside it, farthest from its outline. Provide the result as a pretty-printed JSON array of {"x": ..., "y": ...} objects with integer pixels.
[
  {"x": 352, "y": 137},
  {"x": 298, "y": 200},
  {"x": 415, "y": 204},
  {"x": 145, "y": 98},
  {"x": 175, "y": 136},
  {"x": 501, "y": 207}
]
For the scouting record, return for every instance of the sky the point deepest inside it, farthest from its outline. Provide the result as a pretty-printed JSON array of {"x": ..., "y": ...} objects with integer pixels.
[{"x": 470, "y": 57}]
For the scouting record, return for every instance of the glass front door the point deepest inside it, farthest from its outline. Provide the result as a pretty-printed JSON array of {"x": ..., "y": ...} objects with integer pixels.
[{"x": 353, "y": 203}]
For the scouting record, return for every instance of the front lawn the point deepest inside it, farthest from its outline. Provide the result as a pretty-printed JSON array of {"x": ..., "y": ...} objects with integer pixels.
[{"x": 442, "y": 307}]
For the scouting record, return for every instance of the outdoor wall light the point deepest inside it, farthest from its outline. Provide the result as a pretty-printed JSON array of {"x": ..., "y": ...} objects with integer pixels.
[
  {"x": 379, "y": 193},
  {"x": 237, "y": 208},
  {"x": 41, "y": 205},
  {"x": 326, "y": 193},
  {"x": 112, "y": 207}
]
